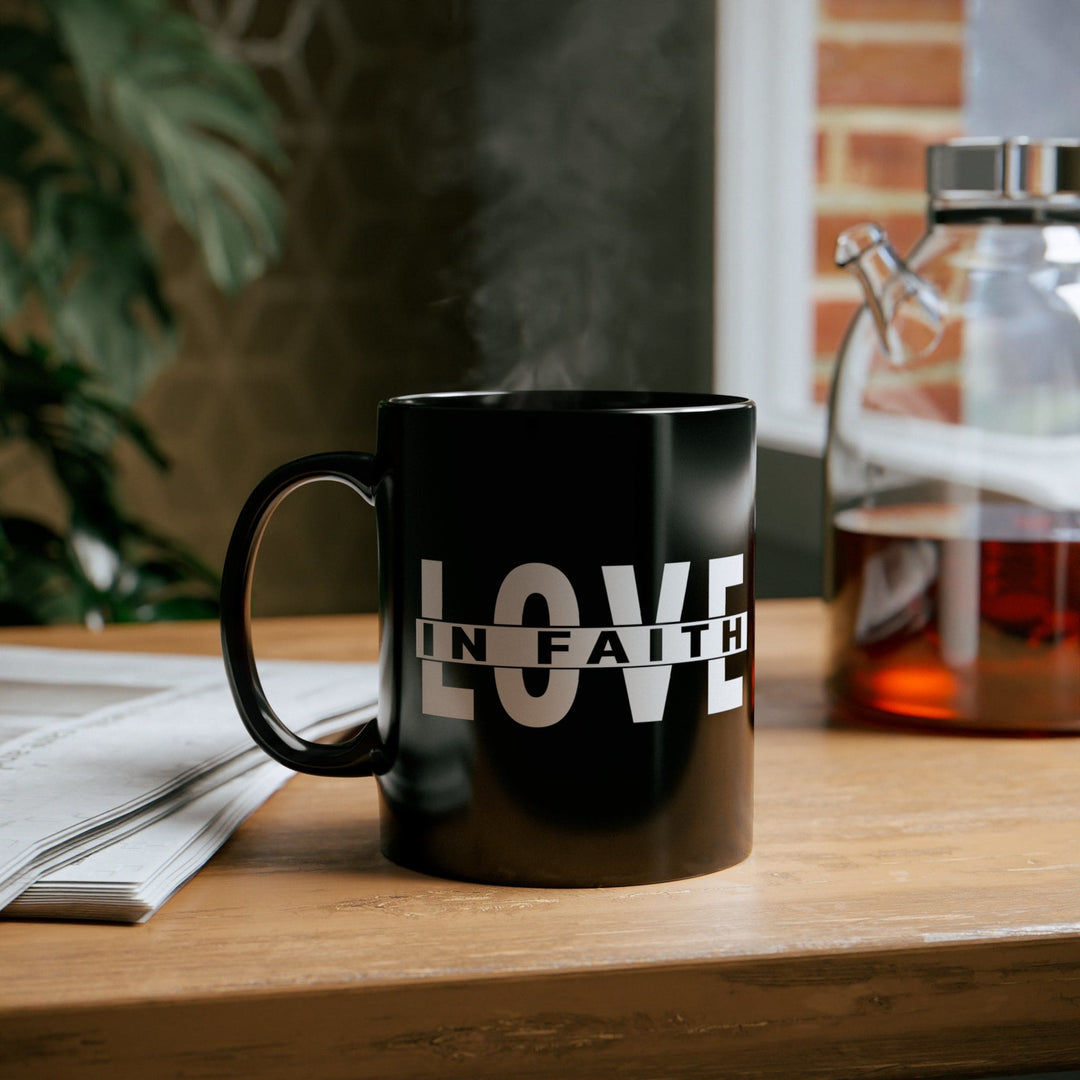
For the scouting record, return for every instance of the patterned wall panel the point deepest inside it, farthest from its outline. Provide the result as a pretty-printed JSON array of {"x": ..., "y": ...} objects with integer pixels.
[
  {"x": 359, "y": 308},
  {"x": 480, "y": 193}
]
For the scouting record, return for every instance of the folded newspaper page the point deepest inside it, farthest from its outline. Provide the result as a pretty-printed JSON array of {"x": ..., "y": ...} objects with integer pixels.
[{"x": 122, "y": 773}]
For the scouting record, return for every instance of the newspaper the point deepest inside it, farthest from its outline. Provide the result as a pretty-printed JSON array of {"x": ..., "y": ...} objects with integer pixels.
[{"x": 121, "y": 773}]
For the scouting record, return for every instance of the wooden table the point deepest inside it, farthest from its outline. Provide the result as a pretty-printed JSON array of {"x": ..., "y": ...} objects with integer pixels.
[{"x": 911, "y": 908}]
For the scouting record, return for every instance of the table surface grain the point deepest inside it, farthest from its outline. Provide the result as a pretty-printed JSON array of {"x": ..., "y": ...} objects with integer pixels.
[{"x": 911, "y": 908}]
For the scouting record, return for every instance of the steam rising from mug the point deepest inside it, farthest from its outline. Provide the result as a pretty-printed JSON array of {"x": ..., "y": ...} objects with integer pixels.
[{"x": 591, "y": 243}]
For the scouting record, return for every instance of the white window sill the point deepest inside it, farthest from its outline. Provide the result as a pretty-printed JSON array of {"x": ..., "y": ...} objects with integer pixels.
[
  {"x": 801, "y": 432},
  {"x": 766, "y": 92}
]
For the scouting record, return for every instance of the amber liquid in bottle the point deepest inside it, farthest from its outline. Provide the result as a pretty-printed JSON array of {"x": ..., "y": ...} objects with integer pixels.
[{"x": 960, "y": 619}]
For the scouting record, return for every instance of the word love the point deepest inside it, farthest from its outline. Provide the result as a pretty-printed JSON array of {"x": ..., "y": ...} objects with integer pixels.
[{"x": 644, "y": 652}]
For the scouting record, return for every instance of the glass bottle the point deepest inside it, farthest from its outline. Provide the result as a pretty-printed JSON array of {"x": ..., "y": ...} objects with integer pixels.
[{"x": 953, "y": 457}]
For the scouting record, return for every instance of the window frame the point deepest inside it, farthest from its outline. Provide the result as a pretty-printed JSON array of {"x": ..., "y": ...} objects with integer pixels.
[{"x": 764, "y": 238}]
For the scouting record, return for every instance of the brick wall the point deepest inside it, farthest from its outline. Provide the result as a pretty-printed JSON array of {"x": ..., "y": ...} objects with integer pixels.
[{"x": 890, "y": 82}]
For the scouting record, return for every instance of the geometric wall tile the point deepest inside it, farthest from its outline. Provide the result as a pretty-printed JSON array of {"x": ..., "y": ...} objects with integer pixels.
[
  {"x": 298, "y": 362},
  {"x": 459, "y": 170}
]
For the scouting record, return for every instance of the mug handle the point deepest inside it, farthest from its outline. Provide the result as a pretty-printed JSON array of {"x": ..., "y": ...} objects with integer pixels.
[{"x": 354, "y": 757}]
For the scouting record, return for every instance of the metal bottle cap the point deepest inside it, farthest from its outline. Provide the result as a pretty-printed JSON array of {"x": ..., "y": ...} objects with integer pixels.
[{"x": 996, "y": 170}]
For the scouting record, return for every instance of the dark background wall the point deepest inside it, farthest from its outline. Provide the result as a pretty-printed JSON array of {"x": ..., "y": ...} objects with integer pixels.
[
  {"x": 482, "y": 193},
  {"x": 789, "y": 538}
]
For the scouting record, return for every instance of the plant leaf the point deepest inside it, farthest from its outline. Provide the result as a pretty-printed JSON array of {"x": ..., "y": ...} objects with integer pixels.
[
  {"x": 36, "y": 61},
  {"x": 39, "y": 583},
  {"x": 11, "y": 280},
  {"x": 16, "y": 138},
  {"x": 199, "y": 115},
  {"x": 29, "y": 54},
  {"x": 100, "y": 78},
  {"x": 96, "y": 37},
  {"x": 100, "y": 282}
]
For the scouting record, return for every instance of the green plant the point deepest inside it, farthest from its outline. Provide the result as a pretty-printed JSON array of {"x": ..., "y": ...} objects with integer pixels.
[{"x": 90, "y": 90}]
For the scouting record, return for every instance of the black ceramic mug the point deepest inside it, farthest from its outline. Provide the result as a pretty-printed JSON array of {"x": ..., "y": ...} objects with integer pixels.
[{"x": 566, "y": 654}]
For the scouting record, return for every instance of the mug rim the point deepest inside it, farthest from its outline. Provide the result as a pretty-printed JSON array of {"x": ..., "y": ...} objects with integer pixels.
[{"x": 572, "y": 401}]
